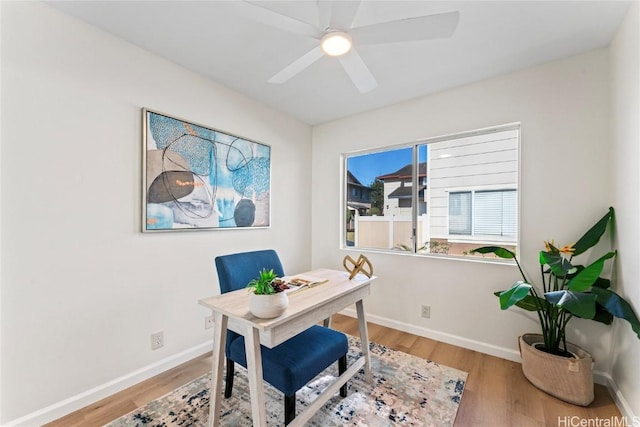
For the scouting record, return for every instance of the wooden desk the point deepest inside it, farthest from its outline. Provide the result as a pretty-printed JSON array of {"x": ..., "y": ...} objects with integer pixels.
[{"x": 306, "y": 308}]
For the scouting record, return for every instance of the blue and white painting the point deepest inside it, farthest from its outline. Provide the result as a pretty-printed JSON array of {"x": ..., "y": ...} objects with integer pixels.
[{"x": 201, "y": 178}]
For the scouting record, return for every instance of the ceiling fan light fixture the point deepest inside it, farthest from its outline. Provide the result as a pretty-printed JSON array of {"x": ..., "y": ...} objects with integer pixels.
[{"x": 336, "y": 43}]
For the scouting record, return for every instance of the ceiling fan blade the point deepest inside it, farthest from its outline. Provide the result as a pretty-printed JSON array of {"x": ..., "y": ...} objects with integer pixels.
[
  {"x": 324, "y": 14},
  {"x": 343, "y": 14},
  {"x": 297, "y": 66},
  {"x": 358, "y": 71},
  {"x": 428, "y": 27},
  {"x": 258, "y": 12}
]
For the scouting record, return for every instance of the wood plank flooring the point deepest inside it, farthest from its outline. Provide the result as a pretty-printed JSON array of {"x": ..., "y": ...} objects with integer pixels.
[{"x": 496, "y": 393}]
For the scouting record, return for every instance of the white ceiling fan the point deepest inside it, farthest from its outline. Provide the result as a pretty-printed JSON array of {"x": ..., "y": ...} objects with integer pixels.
[{"x": 337, "y": 37}]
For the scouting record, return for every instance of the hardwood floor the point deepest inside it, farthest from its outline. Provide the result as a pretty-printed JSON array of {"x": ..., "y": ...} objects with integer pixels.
[{"x": 496, "y": 392}]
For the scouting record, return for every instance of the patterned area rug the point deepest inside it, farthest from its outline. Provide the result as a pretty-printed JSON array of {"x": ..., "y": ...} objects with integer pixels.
[{"x": 406, "y": 390}]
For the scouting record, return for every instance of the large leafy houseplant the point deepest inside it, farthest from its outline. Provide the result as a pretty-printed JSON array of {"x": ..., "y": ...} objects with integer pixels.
[{"x": 568, "y": 290}]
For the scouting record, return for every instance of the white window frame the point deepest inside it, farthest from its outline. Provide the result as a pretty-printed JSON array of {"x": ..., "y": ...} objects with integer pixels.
[
  {"x": 476, "y": 239},
  {"x": 474, "y": 235}
]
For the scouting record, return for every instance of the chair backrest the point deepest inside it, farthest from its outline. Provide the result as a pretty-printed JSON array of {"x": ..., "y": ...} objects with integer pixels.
[{"x": 236, "y": 270}]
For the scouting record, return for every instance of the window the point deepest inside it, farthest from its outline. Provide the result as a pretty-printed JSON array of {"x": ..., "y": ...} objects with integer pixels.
[
  {"x": 404, "y": 203},
  {"x": 444, "y": 195},
  {"x": 491, "y": 213},
  {"x": 460, "y": 213}
]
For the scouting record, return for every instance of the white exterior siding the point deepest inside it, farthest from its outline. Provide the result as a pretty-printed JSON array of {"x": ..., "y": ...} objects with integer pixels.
[
  {"x": 391, "y": 204},
  {"x": 474, "y": 163}
]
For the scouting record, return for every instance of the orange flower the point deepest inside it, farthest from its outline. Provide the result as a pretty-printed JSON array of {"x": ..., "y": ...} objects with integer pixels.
[
  {"x": 568, "y": 249},
  {"x": 549, "y": 246}
]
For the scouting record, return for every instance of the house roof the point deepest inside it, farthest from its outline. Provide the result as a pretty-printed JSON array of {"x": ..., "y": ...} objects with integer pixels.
[
  {"x": 405, "y": 192},
  {"x": 351, "y": 179},
  {"x": 404, "y": 173}
]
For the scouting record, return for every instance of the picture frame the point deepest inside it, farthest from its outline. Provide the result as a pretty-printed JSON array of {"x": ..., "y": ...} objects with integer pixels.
[{"x": 195, "y": 177}]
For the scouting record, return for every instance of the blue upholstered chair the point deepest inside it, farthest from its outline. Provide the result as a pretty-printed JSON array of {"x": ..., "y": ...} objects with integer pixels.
[{"x": 295, "y": 362}]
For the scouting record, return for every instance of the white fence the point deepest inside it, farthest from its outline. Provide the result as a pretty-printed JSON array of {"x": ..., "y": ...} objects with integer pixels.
[{"x": 388, "y": 232}]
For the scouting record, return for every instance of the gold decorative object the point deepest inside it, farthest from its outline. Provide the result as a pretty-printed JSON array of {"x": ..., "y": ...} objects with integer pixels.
[{"x": 354, "y": 267}]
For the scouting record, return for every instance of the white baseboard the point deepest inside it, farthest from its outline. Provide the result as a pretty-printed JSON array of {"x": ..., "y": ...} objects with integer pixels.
[
  {"x": 599, "y": 377},
  {"x": 493, "y": 350},
  {"x": 79, "y": 401},
  {"x": 620, "y": 401}
]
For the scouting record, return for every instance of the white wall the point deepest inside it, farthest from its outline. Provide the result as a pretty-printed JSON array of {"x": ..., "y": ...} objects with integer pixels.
[
  {"x": 391, "y": 205},
  {"x": 82, "y": 288},
  {"x": 563, "y": 107},
  {"x": 625, "y": 108}
]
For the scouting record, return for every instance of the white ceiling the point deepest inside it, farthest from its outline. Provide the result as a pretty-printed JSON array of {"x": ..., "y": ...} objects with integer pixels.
[{"x": 220, "y": 40}]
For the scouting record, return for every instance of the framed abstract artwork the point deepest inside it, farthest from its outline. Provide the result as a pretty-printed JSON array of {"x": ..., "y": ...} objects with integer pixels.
[{"x": 196, "y": 177}]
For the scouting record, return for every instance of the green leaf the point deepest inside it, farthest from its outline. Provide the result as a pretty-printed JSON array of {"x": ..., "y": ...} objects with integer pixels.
[
  {"x": 579, "y": 304},
  {"x": 603, "y": 283},
  {"x": 556, "y": 262},
  {"x": 528, "y": 303},
  {"x": 587, "y": 277},
  {"x": 496, "y": 250},
  {"x": 513, "y": 295},
  {"x": 592, "y": 236},
  {"x": 617, "y": 306},
  {"x": 600, "y": 282},
  {"x": 262, "y": 284},
  {"x": 602, "y": 315}
]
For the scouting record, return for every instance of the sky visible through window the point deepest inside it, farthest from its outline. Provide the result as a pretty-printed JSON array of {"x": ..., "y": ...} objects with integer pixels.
[{"x": 367, "y": 167}]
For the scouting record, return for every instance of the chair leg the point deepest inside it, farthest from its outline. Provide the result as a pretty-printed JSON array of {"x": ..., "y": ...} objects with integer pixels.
[
  {"x": 229, "y": 379},
  {"x": 342, "y": 367},
  {"x": 289, "y": 408}
]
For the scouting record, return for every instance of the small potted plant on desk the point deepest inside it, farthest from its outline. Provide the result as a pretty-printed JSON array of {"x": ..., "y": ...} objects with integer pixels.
[
  {"x": 269, "y": 298},
  {"x": 568, "y": 290}
]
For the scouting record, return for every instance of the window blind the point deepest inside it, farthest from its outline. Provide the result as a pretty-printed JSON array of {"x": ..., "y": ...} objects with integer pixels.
[
  {"x": 460, "y": 213},
  {"x": 494, "y": 213}
]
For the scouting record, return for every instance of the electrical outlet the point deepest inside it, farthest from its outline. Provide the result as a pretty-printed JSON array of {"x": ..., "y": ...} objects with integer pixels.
[
  {"x": 426, "y": 311},
  {"x": 208, "y": 322},
  {"x": 157, "y": 340}
]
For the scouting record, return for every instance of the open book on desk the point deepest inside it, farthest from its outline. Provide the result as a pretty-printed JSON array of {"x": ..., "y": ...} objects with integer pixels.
[{"x": 299, "y": 282}]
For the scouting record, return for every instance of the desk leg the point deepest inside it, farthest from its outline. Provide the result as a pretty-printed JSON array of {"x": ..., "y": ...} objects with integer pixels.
[
  {"x": 254, "y": 371},
  {"x": 217, "y": 366},
  {"x": 327, "y": 322},
  {"x": 364, "y": 340}
]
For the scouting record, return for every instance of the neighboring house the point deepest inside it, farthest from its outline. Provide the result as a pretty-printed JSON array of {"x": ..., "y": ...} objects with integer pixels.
[
  {"x": 398, "y": 187},
  {"x": 358, "y": 195},
  {"x": 473, "y": 189}
]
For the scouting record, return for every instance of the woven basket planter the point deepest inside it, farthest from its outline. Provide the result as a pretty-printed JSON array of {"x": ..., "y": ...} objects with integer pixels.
[{"x": 568, "y": 379}]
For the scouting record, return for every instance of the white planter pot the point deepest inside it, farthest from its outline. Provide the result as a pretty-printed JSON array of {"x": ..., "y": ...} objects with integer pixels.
[{"x": 268, "y": 306}]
